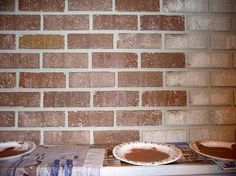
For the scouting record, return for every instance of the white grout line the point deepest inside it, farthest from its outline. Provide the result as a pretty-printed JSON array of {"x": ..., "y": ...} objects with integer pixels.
[{"x": 16, "y": 119}]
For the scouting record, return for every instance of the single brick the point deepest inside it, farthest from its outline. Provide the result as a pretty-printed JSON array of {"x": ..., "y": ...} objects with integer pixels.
[
  {"x": 208, "y": 23},
  {"x": 138, "y": 5},
  {"x": 162, "y": 22},
  {"x": 212, "y": 134},
  {"x": 164, "y": 98},
  {"x": 33, "y": 136},
  {"x": 116, "y": 98},
  {"x": 201, "y": 117},
  {"x": 115, "y": 136},
  {"x": 91, "y": 119},
  {"x": 7, "y": 80},
  {"x": 140, "y": 79},
  {"x": 115, "y": 22},
  {"x": 115, "y": 60},
  {"x": 65, "y": 60},
  {"x": 41, "y": 119},
  {"x": 223, "y": 41},
  {"x": 171, "y": 135},
  {"x": 191, "y": 41},
  {"x": 42, "y": 5},
  {"x": 7, "y": 119},
  {"x": 19, "y": 60},
  {"x": 19, "y": 22},
  {"x": 7, "y": 41},
  {"x": 162, "y": 60},
  {"x": 25, "y": 99},
  {"x": 66, "y": 22},
  {"x": 90, "y": 41},
  {"x": 41, "y": 41},
  {"x": 92, "y": 79},
  {"x": 42, "y": 80},
  {"x": 66, "y": 99},
  {"x": 90, "y": 5},
  {"x": 66, "y": 137},
  {"x": 139, "y": 118},
  {"x": 190, "y": 78},
  {"x": 223, "y": 78},
  {"x": 209, "y": 60},
  {"x": 223, "y": 6},
  {"x": 210, "y": 97},
  {"x": 7, "y": 5},
  {"x": 139, "y": 41},
  {"x": 185, "y": 6}
]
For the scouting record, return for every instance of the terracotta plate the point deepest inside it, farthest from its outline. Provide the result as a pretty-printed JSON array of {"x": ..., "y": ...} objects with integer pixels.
[
  {"x": 18, "y": 147},
  {"x": 121, "y": 150}
]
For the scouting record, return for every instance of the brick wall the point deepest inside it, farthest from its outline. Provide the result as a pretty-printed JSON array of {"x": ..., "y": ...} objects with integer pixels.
[{"x": 110, "y": 71}]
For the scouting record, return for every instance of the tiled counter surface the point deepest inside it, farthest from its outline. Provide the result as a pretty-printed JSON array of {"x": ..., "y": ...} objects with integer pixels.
[{"x": 99, "y": 161}]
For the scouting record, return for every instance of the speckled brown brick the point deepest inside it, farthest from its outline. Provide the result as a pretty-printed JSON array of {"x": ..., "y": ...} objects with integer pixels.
[
  {"x": 138, "y": 5},
  {"x": 42, "y": 5},
  {"x": 41, "y": 119},
  {"x": 41, "y": 41},
  {"x": 25, "y": 99},
  {"x": 7, "y": 80},
  {"x": 66, "y": 99},
  {"x": 140, "y": 79},
  {"x": 65, "y": 60},
  {"x": 42, "y": 80},
  {"x": 19, "y": 60},
  {"x": 162, "y": 22},
  {"x": 66, "y": 137},
  {"x": 19, "y": 22},
  {"x": 115, "y": 136},
  {"x": 91, "y": 119},
  {"x": 139, "y": 41},
  {"x": 116, "y": 98},
  {"x": 163, "y": 60},
  {"x": 66, "y": 22},
  {"x": 115, "y": 22},
  {"x": 33, "y": 136},
  {"x": 7, "y": 5},
  {"x": 139, "y": 118},
  {"x": 115, "y": 60},
  {"x": 7, "y": 41},
  {"x": 164, "y": 98},
  {"x": 7, "y": 119},
  {"x": 92, "y": 79},
  {"x": 90, "y": 5},
  {"x": 90, "y": 41}
]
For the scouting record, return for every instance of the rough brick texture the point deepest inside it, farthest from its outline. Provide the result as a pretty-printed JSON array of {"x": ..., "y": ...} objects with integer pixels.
[
  {"x": 41, "y": 119},
  {"x": 164, "y": 98},
  {"x": 19, "y": 22},
  {"x": 65, "y": 60},
  {"x": 138, "y": 118},
  {"x": 112, "y": 71},
  {"x": 115, "y": 60},
  {"x": 42, "y": 5},
  {"x": 115, "y": 137},
  {"x": 7, "y": 80},
  {"x": 92, "y": 79},
  {"x": 42, "y": 80},
  {"x": 116, "y": 98},
  {"x": 66, "y": 99},
  {"x": 7, "y": 41},
  {"x": 161, "y": 22},
  {"x": 19, "y": 60},
  {"x": 140, "y": 79},
  {"x": 91, "y": 119},
  {"x": 7, "y": 119},
  {"x": 163, "y": 60},
  {"x": 42, "y": 41}
]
